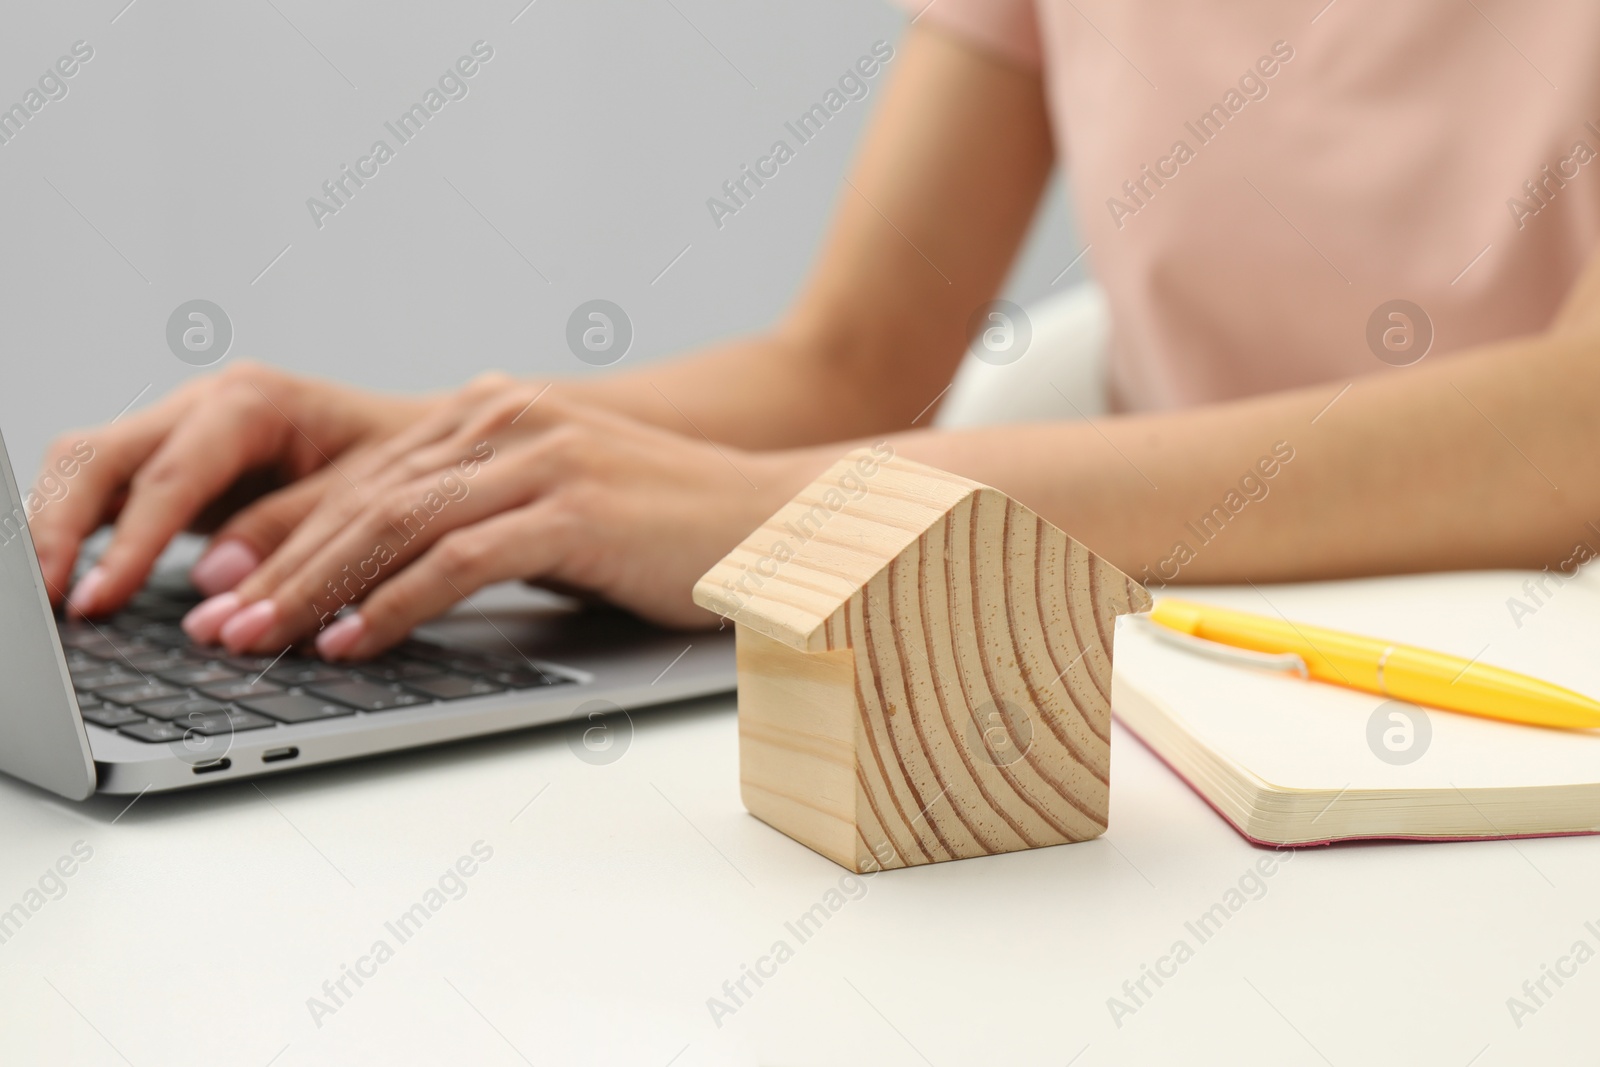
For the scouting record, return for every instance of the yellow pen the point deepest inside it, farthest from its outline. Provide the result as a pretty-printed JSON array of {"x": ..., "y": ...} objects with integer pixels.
[{"x": 1388, "y": 669}]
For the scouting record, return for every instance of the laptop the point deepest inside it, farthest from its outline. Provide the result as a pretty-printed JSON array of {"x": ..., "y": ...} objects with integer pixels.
[{"x": 128, "y": 704}]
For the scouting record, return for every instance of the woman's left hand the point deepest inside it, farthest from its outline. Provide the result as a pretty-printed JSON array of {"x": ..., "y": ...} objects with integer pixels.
[{"x": 529, "y": 487}]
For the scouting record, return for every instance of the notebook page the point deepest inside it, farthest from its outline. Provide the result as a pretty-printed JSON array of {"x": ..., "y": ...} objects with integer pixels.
[{"x": 1297, "y": 734}]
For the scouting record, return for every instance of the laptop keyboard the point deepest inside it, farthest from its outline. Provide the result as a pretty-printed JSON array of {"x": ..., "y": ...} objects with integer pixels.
[{"x": 138, "y": 673}]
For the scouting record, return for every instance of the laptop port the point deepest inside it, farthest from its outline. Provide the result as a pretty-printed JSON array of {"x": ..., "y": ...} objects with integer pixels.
[
  {"x": 278, "y": 755},
  {"x": 213, "y": 766}
]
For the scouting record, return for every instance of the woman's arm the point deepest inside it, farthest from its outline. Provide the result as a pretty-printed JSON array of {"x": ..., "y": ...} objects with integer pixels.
[
  {"x": 1483, "y": 459},
  {"x": 926, "y": 227}
]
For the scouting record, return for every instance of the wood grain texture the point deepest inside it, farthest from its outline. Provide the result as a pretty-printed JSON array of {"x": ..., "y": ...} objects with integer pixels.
[{"x": 924, "y": 668}]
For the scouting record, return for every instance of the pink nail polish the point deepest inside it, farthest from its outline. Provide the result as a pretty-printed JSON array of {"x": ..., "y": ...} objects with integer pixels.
[
  {"x": 248, "y": 626},
  {"x": 224, "y": 565},
  {"x": 84, "y": 595},
  {"x": 205, "y": 619},
  {"x": 341, "y": 637}
]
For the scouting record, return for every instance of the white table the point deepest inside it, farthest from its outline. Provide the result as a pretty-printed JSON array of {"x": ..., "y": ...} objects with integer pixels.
[{"x": 624, "y": 896}]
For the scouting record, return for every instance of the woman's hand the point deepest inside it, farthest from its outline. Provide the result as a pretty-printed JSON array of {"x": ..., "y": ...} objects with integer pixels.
[
  {"x": 189, "y": 462},
  {"x": 526, "y": 486}
]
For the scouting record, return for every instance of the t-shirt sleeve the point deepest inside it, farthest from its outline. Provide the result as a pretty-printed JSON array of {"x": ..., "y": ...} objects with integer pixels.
[{"x": 1007, "y": 27}]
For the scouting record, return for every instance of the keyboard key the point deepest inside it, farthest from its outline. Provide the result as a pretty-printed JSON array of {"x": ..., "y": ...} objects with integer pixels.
[
  {"x": 111, "y": 716},
  {"x": 503, "y": 661},
  {"x": 174, "y": 709},
  {"x": 80, "y": 636},
  {"x": 103, "y": 651},
  {"x": 160, "y": 631},
  {"x": 152, "y": 732},
  {"x": 106, "y": 677},
  {"x": 203, "y": 674},
  {"x": 119, "y": 645},
  {"x": 459, "y": 659},
  {"x": 422, "y": 650},
  {"x": 452, "y": 687},
  {"x": 251, "y": 665},
  {"x": 155, "y": 660},
  {"x": 128, "y": 624},
  {"x": 469, "y": 664},
  {"x": 97, "y": 666},
  {"x": 295, "y": 707},
  {"x": 239, "y": 690},
  {"x": 166, "y": 633},
  {"x": 525, "y": 679},
  {"x": 306, "y": 674},
  {"x": 88, "y": 700},
  {"x": 368, "y": 696},
  {"x": 381, "y": 671},
  {"x": 514, "y": 671},
  {"x": 225, "y": 721},
  {"x": 147, "y": 604},
  {"x": 138, "y": 693}
]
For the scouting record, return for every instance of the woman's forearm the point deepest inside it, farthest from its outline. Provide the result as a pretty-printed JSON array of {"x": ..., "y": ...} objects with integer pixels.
[
  {"x": 1480, "y": 460},
  {"x": 777, "y": 390}
]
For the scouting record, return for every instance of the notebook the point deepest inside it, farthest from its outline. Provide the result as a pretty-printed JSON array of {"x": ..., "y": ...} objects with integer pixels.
[{"x": 1295, "y": 762}]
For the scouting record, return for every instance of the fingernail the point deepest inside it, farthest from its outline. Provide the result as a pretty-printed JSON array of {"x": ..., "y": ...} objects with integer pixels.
[
  {"x": 223, "y": 566},
  {"x": 341, "y": 637},
  {"x": 205, "y": 619},
  {"x": 247, "y": 627},
  {"x": 84, "y": 595}
]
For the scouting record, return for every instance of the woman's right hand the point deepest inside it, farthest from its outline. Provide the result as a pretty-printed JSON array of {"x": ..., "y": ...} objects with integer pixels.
[{"x": 251, "y": 448}]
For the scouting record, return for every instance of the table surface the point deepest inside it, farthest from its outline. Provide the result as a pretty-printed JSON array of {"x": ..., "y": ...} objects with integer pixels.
[{"x": 617, "y": 899}]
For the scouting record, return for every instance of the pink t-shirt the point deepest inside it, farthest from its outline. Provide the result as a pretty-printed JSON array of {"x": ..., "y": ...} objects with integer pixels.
[{"x": 1257, "y": 179}]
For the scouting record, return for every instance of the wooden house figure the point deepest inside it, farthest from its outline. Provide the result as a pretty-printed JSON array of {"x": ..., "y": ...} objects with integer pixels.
[{"x": 924, "y": 668}]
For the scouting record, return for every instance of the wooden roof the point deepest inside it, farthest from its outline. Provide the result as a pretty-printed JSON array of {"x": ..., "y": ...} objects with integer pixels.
[{"x": 803, "y": 565}]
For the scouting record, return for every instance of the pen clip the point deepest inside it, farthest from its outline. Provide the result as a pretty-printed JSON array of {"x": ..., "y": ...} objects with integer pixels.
[{"x": 1282, "y": 662}]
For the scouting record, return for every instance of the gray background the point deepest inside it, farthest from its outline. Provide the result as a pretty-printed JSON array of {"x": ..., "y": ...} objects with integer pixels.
[{"x": 179, "y": 163}]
